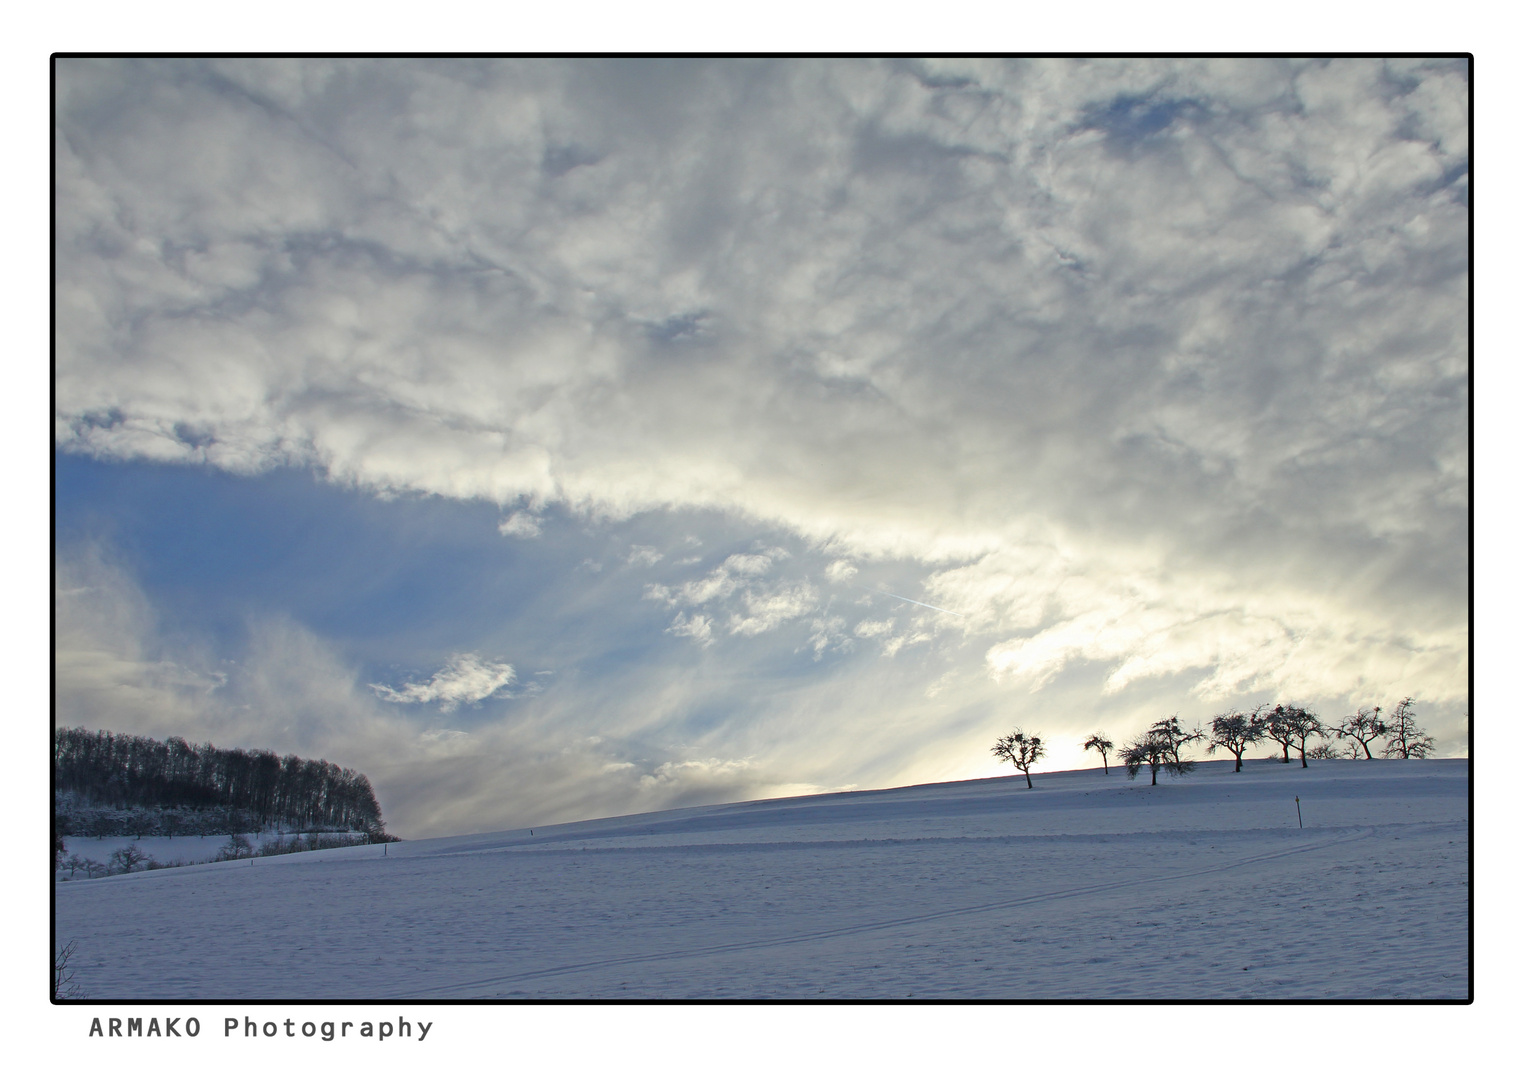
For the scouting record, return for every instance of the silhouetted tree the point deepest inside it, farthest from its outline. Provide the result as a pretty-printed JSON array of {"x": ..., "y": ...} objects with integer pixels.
[
  {"x": 1175, "y": 736},
  {"x": 1291, "y": 725},
  {"x": 1100, "y": 742},
  {"x": 1159, "y": 748},
  {"x": 1407, "y": 739},
  {"x": 1238, "y": 731},
  {"x": 1363, "y": 727},
  {"x": 1020, "y": 749}
]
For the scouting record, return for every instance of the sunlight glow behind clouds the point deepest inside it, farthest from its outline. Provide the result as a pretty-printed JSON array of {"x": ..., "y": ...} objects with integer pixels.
[{"x": 1154, "y": 370}]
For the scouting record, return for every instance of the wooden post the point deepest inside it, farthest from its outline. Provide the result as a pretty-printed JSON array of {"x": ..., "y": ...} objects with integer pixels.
[{"x": 1297, "y": 812}]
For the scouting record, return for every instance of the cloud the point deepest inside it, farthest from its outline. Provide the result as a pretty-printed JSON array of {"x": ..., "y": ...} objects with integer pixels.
[
  {"x": 1026, "y": 246},
  {"x": 672, "y": 773},
  {"x": 105, "y": 666},
  {"x": 644, "y": 555},
  {"x": 697, "y": 626},
  {"x": 443, "y": 735},
  {"x": 840, "y": 571},
  {"x": 466, "y": 678},
  {"x": 764, "y": 611},
  {"x": 521, "y": 524},
  {"x": 721, "y": 582},
  {"x": 828, "y": 633}
]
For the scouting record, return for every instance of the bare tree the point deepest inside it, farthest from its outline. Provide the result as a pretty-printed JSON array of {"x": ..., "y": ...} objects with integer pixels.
[
  {"x": 64, "y": 985},
  {"x": 1159, "y": 749},
  {"x": 1291, "y": 725},
  {"x": 1020, "y": 749},
  {"x": 1100, "y": 742},
  {"x": 1363, "y": 727},
  {"x": 1175, "y": 736},
  {"x": 1237, "y": 731},
  {"x": 127, "y": 859},
  {"x": 73, "y": 865},
  {"x": 1407, "y": 739}
]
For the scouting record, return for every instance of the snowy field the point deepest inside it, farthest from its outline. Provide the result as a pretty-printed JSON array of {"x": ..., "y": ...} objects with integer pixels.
[{"x": 1086, "y": 887}]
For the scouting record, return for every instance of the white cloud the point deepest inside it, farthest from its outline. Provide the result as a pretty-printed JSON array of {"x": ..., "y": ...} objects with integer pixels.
[
  {"x": 643, "y": 555},
  {"x": 446, "y": 742},
  {"x": 1077, "y": 287},
  {"x": 753, "y": 565},
  {"x": 465, "y": 679},
  {"x": 697, "y": 626},
  {"x": 721, "y": 582},
  {"x": 902, "y": 641},
  {"x": 674, "y": 773},
  {"x": 521, "y": 524},
  {"x": 840, "y": 571},
  {"x": 828, "y": 633},
  {"x": 764, "y": 611}
]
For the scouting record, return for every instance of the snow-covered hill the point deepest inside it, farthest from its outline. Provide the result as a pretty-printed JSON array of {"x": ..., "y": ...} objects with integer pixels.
[{"x": 1087, "y": 886}]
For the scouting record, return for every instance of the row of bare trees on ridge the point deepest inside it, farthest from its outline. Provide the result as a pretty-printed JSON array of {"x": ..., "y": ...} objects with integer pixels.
[{"x": 1161, "y": 746}]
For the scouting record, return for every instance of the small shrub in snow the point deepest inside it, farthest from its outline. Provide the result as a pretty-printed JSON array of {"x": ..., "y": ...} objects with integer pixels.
[{"x": 238, "y": 847}]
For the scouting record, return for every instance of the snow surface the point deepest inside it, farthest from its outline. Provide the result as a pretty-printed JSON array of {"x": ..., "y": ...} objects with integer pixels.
[{"x": 1087, "y": 886}]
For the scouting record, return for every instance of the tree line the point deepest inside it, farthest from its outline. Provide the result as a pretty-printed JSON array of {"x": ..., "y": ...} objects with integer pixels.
[
  {"x": 99, "y": 770},
  {"x": 1161, "y": 747},
  {"x": 131, "y": 857}
]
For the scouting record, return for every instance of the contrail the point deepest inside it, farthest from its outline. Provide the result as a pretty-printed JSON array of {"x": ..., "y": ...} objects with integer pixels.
[{"x": 920, "y": 603}]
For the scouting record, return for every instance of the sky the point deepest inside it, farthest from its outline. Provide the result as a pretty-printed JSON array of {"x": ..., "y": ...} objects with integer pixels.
[{"x": 551, "y": 439}]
